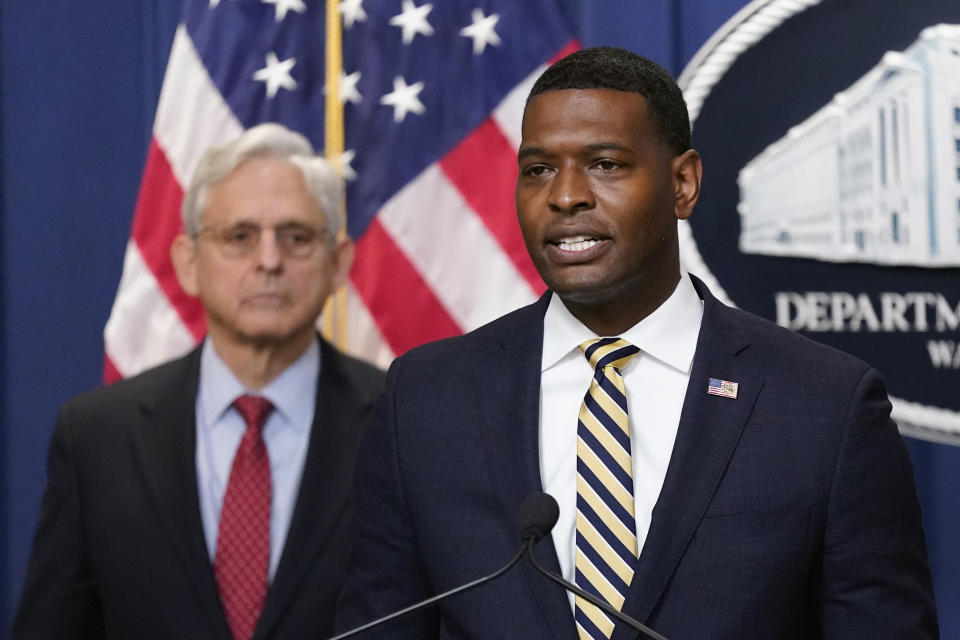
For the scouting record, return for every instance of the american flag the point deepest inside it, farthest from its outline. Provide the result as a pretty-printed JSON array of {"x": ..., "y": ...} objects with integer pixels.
[
  {"x": 723, "y": 388},
  {"x": 432, "y": 95}
]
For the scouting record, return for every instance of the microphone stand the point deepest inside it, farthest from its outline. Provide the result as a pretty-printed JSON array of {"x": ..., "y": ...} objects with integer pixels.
[
  {"x": 527, "y": 544},
  {"x": 589, "y": 597},
  {"x": 538, "y": 515}
]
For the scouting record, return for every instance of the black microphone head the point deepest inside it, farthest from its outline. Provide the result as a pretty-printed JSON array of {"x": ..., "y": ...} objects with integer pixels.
[{"x": 538, "y": 514}]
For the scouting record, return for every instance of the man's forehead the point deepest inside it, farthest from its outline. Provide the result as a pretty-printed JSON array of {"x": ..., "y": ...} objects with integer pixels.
[
  {"x": 601, "y": 118},
  {"x": 609, "y": 105},
  {"x": 263, "y": 217},
  {"x": 237, "y": 202}
]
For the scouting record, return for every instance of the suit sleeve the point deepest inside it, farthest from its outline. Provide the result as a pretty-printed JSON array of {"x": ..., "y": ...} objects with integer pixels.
[
  {"x": 875, "y": 578},
  {"x": 386, "y": 571},
  {"x": 59, "y": 598}
]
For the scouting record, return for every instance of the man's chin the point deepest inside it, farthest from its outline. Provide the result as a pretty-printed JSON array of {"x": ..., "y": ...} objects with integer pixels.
[
  {"x": 584, "y": 293},
  {"x": 266, "y": 334}
]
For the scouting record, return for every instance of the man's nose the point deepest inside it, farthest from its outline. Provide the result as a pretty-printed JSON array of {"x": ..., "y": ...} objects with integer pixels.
[
  {"x": 269, "y": 253},
  {"x": 570, "y": 191}
]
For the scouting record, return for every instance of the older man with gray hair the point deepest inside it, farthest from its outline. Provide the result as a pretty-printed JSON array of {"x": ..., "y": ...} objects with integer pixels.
[{"x": 208, "y": 498}]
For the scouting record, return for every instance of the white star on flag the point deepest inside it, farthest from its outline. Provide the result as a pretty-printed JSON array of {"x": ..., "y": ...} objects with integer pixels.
[
  {"x": 342, "y": 163},
  {"x": 352, "y": 11},
  {"x": 276, "y": 74},
  {"x": 348, "y": 88},
  {"x": 413, "y": 20},
  {"x": 482, "y": 31},
  {"x": 282, "y": 6},
  {"x": 404, "y": 99},
  {"x": 214, "y": 3}
]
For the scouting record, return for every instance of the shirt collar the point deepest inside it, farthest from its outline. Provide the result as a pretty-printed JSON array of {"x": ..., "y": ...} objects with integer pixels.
[
  {"x": 219, "y": 387},
  {"x": 669, "y": 334}
]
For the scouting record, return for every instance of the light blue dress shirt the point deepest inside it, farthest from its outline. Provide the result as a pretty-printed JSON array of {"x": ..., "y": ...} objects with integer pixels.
[{"x": 286, "y": 435}]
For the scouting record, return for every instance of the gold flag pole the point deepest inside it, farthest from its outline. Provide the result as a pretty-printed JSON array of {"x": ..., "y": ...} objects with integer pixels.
[{"x": 335, "y": 310}]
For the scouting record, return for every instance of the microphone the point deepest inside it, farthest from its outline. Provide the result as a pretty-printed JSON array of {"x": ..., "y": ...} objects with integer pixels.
[
  {"x": 535, "y": 522},
  {"x": 538, "y": 514}
]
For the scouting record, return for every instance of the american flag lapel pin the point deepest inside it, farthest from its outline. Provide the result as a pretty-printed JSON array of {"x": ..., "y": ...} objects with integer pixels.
[{"x": 725, "y": 388}]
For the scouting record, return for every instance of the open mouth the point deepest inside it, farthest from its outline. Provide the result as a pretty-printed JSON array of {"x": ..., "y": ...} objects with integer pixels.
[
  {"x": 576, "y": 249},
  {"x": 575, "y": 244}
]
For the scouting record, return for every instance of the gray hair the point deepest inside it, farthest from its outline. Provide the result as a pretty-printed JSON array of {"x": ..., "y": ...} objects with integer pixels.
[{"x": 265, "y": 140}]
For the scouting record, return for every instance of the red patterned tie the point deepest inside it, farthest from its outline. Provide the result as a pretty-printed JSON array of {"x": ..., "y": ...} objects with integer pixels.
[{"x": 243, "y": 541}]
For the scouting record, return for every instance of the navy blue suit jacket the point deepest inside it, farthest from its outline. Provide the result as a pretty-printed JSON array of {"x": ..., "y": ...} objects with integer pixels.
[{"x": 788, "y": 512}]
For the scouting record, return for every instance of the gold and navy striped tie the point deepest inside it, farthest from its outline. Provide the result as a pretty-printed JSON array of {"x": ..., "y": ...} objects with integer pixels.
[{"x": 606, "y": 526}]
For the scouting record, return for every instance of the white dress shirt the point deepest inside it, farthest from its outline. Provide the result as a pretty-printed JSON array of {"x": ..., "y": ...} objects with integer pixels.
[
  {"x": 656, "y": 381},
  {"x": 286, "y": 434}
]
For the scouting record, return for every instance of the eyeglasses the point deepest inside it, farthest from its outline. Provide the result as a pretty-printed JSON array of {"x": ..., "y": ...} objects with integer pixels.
[{"x": 294, "y": 239}]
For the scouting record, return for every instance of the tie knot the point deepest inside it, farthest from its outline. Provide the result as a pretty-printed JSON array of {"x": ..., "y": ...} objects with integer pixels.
[
  {"x": 608, "y": 352},
  {"x": 254, "y": 410}
]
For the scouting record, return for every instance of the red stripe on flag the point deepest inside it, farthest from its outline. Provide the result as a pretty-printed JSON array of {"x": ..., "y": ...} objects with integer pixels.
[
  {"x": 568, "y": 48},
  {"x": 110, "y": 372},
  {"x": 400, "y": 302},
  {"x": 483, "y": 167},
  {"x": 156, "y": 223}
]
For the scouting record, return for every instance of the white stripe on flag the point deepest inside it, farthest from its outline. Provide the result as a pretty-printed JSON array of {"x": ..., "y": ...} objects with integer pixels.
[
  {"x": 144, "y": 330},
  {"x": 363, "y": 335},
  {"x": 191, "y": 113},
  {"x": 453, "y": 251},
  {"x": 509, "y": 113}
]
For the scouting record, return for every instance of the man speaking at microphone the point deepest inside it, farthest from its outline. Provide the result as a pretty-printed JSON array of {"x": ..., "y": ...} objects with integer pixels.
[{"x": 717, "y": 476}]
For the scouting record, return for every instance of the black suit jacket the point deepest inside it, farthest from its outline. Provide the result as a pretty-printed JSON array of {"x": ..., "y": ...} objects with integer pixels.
[
  {"x": 119, "y": 551},
  {"x": 786, "y": 513}
]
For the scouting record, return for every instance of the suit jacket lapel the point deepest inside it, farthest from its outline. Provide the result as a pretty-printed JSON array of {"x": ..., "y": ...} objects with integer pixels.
[
  {"x": 322, "y": 497},
  {"x": 165, "y": 447},
  {"x": 509, "y": 405},
  {"x": 710, "y": 427}
]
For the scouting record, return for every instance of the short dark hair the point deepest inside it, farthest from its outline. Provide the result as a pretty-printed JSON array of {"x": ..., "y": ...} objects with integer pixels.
[{"x": 622, "y": 70}]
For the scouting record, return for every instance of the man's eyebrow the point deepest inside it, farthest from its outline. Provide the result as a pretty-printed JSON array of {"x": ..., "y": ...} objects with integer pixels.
[
  {"x": 529, "y": 151},
  {"x": 597, "y": 146},
  {"x": 608, "y": 146}
]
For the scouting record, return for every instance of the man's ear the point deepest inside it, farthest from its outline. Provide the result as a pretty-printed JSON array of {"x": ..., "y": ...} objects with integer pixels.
[
  {"x": 342, "y": 261},
  {"x": 183, "y": 254},
  {"x": 687, "y": 174}
]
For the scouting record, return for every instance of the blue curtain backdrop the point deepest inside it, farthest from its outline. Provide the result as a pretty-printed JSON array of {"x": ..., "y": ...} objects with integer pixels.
[{"x": 79, "y": 88}]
